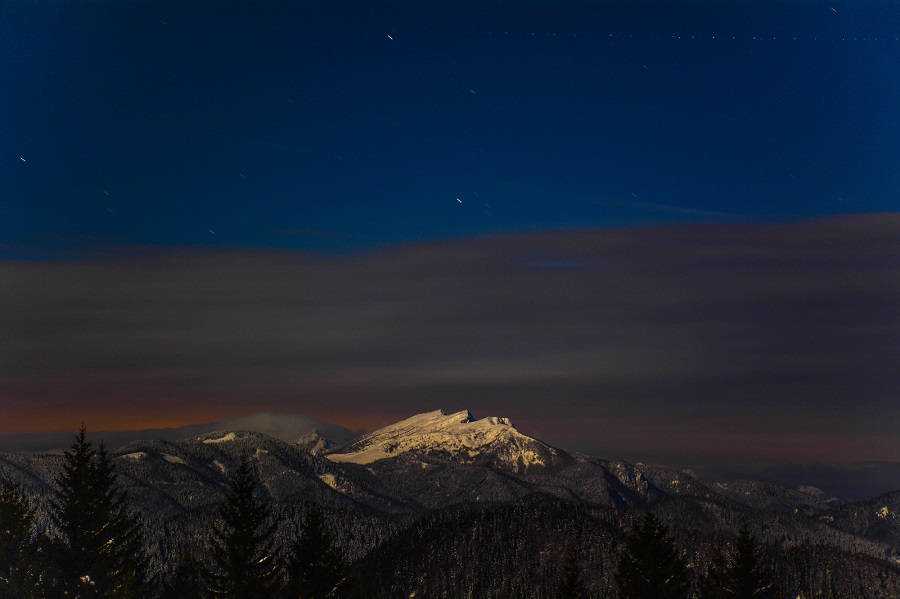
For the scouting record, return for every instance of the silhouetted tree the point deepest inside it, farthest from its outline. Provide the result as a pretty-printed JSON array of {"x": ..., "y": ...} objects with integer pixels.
[
  {"x": 744, "y": 576},
  {"x": 99, "y": 550},
  {"x": 244, "y": 554},
  {"x": 188, "y": 578},
  {"x": 715, "y": 584},
  {"x": 356, "y": 585},
  {"x": 650, "y": 565},
  {"x": 314, "y": 566},
  {"x": 572, "y": 585},
  {"x": 19, "y": 563}
]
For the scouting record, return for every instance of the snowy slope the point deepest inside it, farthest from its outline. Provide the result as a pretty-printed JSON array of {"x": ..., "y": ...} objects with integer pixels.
[{"x": 459, "y": 434}]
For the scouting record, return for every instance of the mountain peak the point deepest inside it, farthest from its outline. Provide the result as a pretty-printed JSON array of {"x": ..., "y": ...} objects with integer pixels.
[
  {"x": 459, "y": 434},
  {"x": 314, "y": 441}
]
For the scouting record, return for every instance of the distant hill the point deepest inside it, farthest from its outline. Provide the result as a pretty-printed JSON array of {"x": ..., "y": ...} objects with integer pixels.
[{"x": 286, "y": 427}]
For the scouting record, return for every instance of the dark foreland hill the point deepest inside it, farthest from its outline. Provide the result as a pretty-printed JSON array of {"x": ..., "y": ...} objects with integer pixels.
[{"x": 506, "y": 514}]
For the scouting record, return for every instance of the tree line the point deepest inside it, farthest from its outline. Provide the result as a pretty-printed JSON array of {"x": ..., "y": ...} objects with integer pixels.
[
  {"x": 96, "y": 546},
  {"x": 96, "y": 549}
]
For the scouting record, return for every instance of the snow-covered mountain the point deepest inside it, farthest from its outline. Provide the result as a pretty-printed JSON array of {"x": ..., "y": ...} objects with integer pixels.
[
  {"x": 315, "y": 442},
  {"x": 425, "y": 462},
  {"x": 436, "y": 460},
  {"x": 459, "y": 436}
]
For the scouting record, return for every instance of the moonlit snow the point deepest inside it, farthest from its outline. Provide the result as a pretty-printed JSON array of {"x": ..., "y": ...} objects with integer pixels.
[{"x": 459, "y": 434}]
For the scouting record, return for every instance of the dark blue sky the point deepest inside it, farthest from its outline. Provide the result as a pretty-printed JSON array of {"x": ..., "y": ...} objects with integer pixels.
[{"x": 339, "y": 125}]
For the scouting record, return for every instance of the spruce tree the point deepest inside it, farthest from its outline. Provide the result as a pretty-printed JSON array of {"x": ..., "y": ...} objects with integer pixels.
[
  {"x": 314, "y": 567},
  {"x": 123, "y": 555},
  {"x": 650, "y": 565},
  {"x": 244, "y": 552},
  {"x": 188, "y": 578},
  {"x": 747, "y": 577},
  {"x": 99, "y": 547},
  {"x": 714, "y": 585},
  {"x": 572, "y": 585},
  {"x": 743, "y": 576},
  {"x": 19, "y": 565}
]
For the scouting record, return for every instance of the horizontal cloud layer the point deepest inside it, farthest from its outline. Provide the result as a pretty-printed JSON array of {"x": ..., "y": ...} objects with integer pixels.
[{"x": 707, "y": 343}]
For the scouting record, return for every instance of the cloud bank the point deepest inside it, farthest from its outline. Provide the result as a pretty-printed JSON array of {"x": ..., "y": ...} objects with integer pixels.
[{"x": 683, "y": 345}]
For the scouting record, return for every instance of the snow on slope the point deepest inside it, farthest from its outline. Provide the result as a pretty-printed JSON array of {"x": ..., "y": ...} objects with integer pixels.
[
  {"x": 458, "y": 434},
  {"x": 225, "y": 439}
]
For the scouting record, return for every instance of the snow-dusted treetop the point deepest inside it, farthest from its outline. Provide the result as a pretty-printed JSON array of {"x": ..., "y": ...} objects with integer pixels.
[{"x": 459, "y": 434}]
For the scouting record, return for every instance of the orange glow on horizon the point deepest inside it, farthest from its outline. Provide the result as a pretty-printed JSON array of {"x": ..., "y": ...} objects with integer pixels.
[
  {"x": 23, "y": 421},
  {"x": 173, "y": 413}
]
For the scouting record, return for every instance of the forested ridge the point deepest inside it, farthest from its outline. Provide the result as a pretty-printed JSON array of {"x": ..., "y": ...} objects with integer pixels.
[{"x": 88, "y": 537}]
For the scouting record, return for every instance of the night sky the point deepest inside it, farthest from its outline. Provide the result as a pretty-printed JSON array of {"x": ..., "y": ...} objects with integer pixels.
[{"x": 647, "y": 230}]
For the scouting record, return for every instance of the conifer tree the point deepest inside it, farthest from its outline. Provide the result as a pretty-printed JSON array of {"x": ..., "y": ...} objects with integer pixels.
[
  {"x": 714, "y": 585},
  {"x": 244, "y": 552},
  {"x": 650, "y": 565},
  {"x": 315, "y": 567},
  {"x": 99, "y": 550},
  {"x": 123, "y": 556},
  {"x": 19, "y": 566},
  {"x": 188, "y": 578},
  {"x": 572, "y": 585},
  {"x": 357, "y": 585},
  {"x": 744, "y": 576}
]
